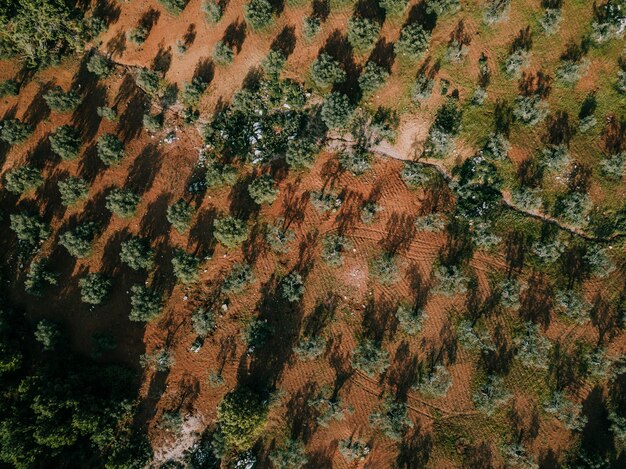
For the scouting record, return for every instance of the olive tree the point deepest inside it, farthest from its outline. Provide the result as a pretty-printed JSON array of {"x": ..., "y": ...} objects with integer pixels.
[
  {"x": 137, "y": 254},
  {"x": 110, "y": 149},
  {"x": 362, "y": 32},
  {"x": 78, "y": 241},
  {"x": 122, "y": 202},
  {"x": 223, "y": 53},
  {"x": 29, "y": 229},
  {"x": 185, "y": 266},
  {"x": 65, "y": 142},
  {"x": 263, "y": 190},
  {"x": 14, "y": 131},
  {"x": 38, "y": 276},
  {"x": 100, "y": 66},
  {"x": 61, "y": 101},
  {"x": 180, "y": 215},
  {"x": 292, "y": 287},
  {"x": 146, "y": 303},
  {"x": 413, "y": 42},
  {"x": 258, "y": 13},
  {"x": 326, "y": 71},
  {"x": 230, "y": 231},
  {"x": 239, "y": 277},
  {"x": 290, "y": 455},
  {"x": 72, "y": 190},
  {"x": 372, "y": 78},
  {"x": 23, "y": 179},
  {"x": 370, "y": 358},
  {"x": 94, "y": 288},
  {"x": 391, "y": 419},
  {"x": 336, "y": 110},
  {"x": 48, "y": 333}
]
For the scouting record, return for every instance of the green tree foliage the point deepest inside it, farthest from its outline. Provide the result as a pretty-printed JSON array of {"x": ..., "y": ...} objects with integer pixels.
[
  {"x": 152, "y": 122},
  {"x": 258, "y": 13},
  {"x": 61, "y": 101},
  {"x": 311, "y": 25},
  {"x": 301, "y": 153},
  {"x": 326, "y": 71},
  {"x": 239, "y": 277},
  {"x": 48, "y": 333},
  {"x": 384, "y": 268},
  {"x": 362, "y": 33},
  {"x": 336, "y": 111},
  {"x": 446, "y": 126},
  {"x": 391, "y": 419},
  {"x": 107, "y": 113},
  {"x": 353, "y": 450},
  {"x": 192, "y": 92},
  {"x": 370, "y": 358},
  {"x": 412, "y": 43},
  {"x": 393, "y": 7},
  {"x": 78, "y": 241},
  {"x": 138, "y": 35},
  {"x": 149, "y": 81},
  {"x": 9, "y": 88},
  {"x": 146, "y": 303},
  {"x": 292, "y": 287},
  {"x": 122, "y": 202},
  {"x": 273, "y": 63},
  {"x": 290, "y": 455},
  {"x": 490, "y": 395},
  {"x": 29, "y": 229},
  {"x": 174, "y": 7},
  {"x": 410, "y": 319},
  {"x": 100, "y": 66},
  {"x": 23, "y": 179},
  {"x": 94, "y": 288},
  {"x": 496, "y": 11},
  {"x": 333, "y": 247},
  {"x": 38, "y": 276},
  {"x": 137, "y": 254},
  {"x": 263, "y": 190},
  {"x": 279, "y": 238},
  {"x": 230, "y": 231},
  {"x": 72, "y": 190},
  {"x": 180, "y": 215},
  {"x": 372, "y": 78},
  {"x": 223, "y": 53},
  {"x": 442, "y": 7},
  {"x": 185, "y": 266},
  {"x": 213, "y": 11},
  {"x": 110, "y": 149},
  {"x": 310, "y": 348},
  {"x": 14, "y": 131},
  {"x": 203, "y": 321},
  {"x": 241, "y": 417},
  {"x": 218, "y": 174},
  {"x": 65, "y": 142}
]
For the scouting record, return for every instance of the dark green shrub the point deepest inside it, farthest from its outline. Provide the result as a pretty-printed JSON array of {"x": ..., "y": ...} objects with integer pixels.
[
  {"x": 223, "y": 54},
  {"x": 336, "y": 111},
  {"x": 146, "y": 304},
  {"x": 65, "y": 142},
  {"x": 279, "y": 238},
  {"x": 94, "y": 288},
  {"x": 122, "y": 202},
  {"x": 29, "y": 229},
  {"x": 393, "y": 7},
  {"x": 326, "y": 71},
  {"x": 263, "y": 190},
  {"x": 301, "y": 153},
  {"x": 446, "y": 126},
  {"x": 213, "y": 11},
  {"x": 370, "y": 358},
  {"x": 60, "y": 101},
  {"x": 372, "y": 78},
  {"x": 384, "y": 268},
  {"x": 152, "y": 123},
  {"x": 38, "y": 276},
  {"x": 110, "y": 149},
  {"x": 192, "y": 92},
  {"x": 137, "y": 254},
  {"x": 292, "y": 287},
  {"x": 442, "y": 7},
  {"x": 290, "y": 455},
  {"x": 100, "y": 66},
  {"x": 107, "y": 113},
  {"x": 353, "y": 450},
  {"x": 239, "y": 277},
  {"x": 333, "y": 247},
  {"x": 362, "y": 33},
  {"x": 48, "y": 333},
  {"x": 412, "y": 43},
  {"x": 185, "y": 266},
  {"x": 229, "y": 231},
  {"x": 72, "y": 190},
  {"x": 391, "y": 419},
  {"x": 149, "y": 81},
  {"x": 14, "y": 131},
  {"x": 138, "y": 35},
  {"x": 241, "y": 417},
  {"x": 203, "y": 321},
  {"x": 273, "y": 64},
  {"x": 310, "y": 348},
  {"x": 22, "y": 179},
  {"x": 9, "y": 88},
  {"x": 180, "y": 215},
  {"x": 258, "y": 13},
  {"x": 78, "y": 241},
  {"x": 311, "y": 25},
  {"x": 174, "y": 7}
]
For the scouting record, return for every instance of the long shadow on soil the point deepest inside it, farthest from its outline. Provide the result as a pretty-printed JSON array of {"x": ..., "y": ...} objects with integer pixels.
[{"x": 144, "y": 169}]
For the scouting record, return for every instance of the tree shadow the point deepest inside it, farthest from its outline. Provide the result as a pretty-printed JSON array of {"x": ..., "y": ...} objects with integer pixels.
[
  {"x": 323, "y": 313},
  {"x": 378, "y": 319},
  {"x": 399, "y": 233},
  {"x": 294, "y": 204},
  {"x": 38, "y": 109},
  {"x": 536, "y": 302},
  {"x": 117, "y": 44},
  {"x": 241, "y": 204},
  {"x": 84, "y": 117},
  {"x": 162, "y": 60},
  {"x": 107, "y": 11},
  {"x": 339, "y": 48},
  {"x": 205, "y": 70},
  {"x": 350, "y": 212},
  {"x": 90, "y": 165},
  {"x": 285, "y": 41},
  {"x": 153, "y": 224},
  {"x": 190, "y": 35},
  {"x": 320, "y": 9},
  {"x": 404, "y": 366},
  {"x": 144, "y": 169},
  {"x": 235, "y": 35},
  {"x": 201, "y": 233},
  {"x": 301, "y": 414},
  {"x": 383, "y": 54},
  {"x": 131, "y": 120},
  {"x": 50, "y": 196},
  {"x": 415, "y": 449},
  {"x": 596, "y": 438},
  {"x": 419, "y": 14},
  {"x": 370, "y": 10},
  {"x": 149, "y": 19}
]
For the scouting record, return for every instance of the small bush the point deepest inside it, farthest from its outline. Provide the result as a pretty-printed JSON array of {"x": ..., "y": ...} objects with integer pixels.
[
  {"x": 145, "y": 303},
  {"x": 356, "y": 160},
  {"x": 608, "y": 19},
  {"x": 573, "y": 208},
  {"x": 571, "y": 305},
  {"x": 185, "y": 266},
  {"x": 174, "y": 7},
  {"x": 434, "y": 381},
  {"x": 372, "y": 78},
  {"x": 336, "y": 111},
  {"x": 301, "y": 153},
  {"x": 292, "y": 287},
  {"x": 532, "y": 347},
  {"x": 60, "y": 101},
  {"x": 550, "y": 21},
  {"x": 569, "y": 413},
  {"x": 138, "y": 35},
  {"x": 241, "y": 417},
  {"x": 384, "y": 268},
  {"x": 48, "y": 333},
  {"x": 38, "y": 276},
  {"x": 180, "y": 215},
  {"x": 446, "y": 126},
  {"x": 391, "y": 419},
  {"x": 152, "y": 123},
  {"x": 443, "y": 7},
  {"x": 369, "y": 211},
  {"x": 263, "y": 190},
  {"x": 122, "y": 202},
  {"x": 362, "y": 33},
  {"x": 279, "y": 238},
  {"x": 9, "y": 88},
  {"x": 110, "y": 149},
  {"x": 239, "y": 277},
  {"x": 515, "y": 62},
  {"x": 410, "y": 319},
  {"x": 213, "y": 11},
  {"x": 149, "y": 81},
  {"x": 370, "y": 358},
  {"x": 554, "y": 157},
  {"x": 393, "y": 8},
  {"x": 94, "y": 288},
  {"x": 29, "y": 229},
  {"x": 230, "y": 231},
  {"x": 333, "y": 247},
  {"x": 14, "y": 131},
  {"x": 529, "y": 110},
  {"x": 22, "y": 179},
  {"x": 310, "y": 348},
  {"x": 496, "y": 11},
  {"x": 353, "y": 450},
  {"x": 107, "y": 113},
  {"x": 415, "y": 174},
  {"x": 490, "y": 395},
  {"x": 311, "y": 25},
  {"x": 290, "y": 455},
  {"x": 100, "y": 66},
  {"x": 258, "y": 13},
  {"x": 203, "y": 321},
  {"x": 223, "y": 54},
  {"x": 570, "y": 71},
  {"x": 433, "y": 223},
  {"x": 137, "y": 254},
  {"x": 413, "y": 42},
  {"x": 78, "y": 241},
  {"x": 65, "y": 142},
  {"x": 326, "y": 71}
]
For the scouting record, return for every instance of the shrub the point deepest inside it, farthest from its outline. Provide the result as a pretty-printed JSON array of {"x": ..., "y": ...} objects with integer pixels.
[
  {"x": 9, "y": 88},
  {"x": 48, "y": 333},
  {"x": 496, "y": 11},
  {"x": 218, "y": 174},
  {"x": 336, "y": 111},
  {"x": 38, "y": 276},
  {"x": 185, "y": 266},
  {"x": 372, "y": 78},
  {"x": 94, "y": 288},
  {"x": 241, "y": 417},
  {"x": 393, "y": 8},
  {"x": 174, "y": 7},
  {"x": 122, "y": 202},
  {"x": 60, "y": 101},
  {"x": 256, "y": 333},
  {"x": 138, "y": 35},
  {"x": 107, "y": 113},
  {"x": 410, "y": 319},
  {"x": 100, "y": 66},
  {"x": 514, "y": 63},
  {"x": 230, "y": 231},
  {"x": 490, "y": 395},
  {"x": 326, "y": 71},
  {"x": 273, "y": 63},
  {"x": 78, "y": 241},
  {"x": 608, "y": 19},
  {"x": 223, "y": 54},
  {"x": 412, "y": 43},
  {"x": 529, "y": 110},
  {"x": 384, "y": 268},
  {"x": 434, "y": 381},
  {"x": 160, "y": 359},
  {"x": 203, "y": 321},
  {"x": 570, "y": 71},
  {"x": 258, "y": 13},
  {"x": 14, "y": 131},
  {"x": 279, "y": 238},
  {"x": 333, "y": 246},
  {"x": 292, "y": 287},
  {"x": 550, "y": 20},
  {"x": 532, "y": 347},
  {"x": 152, "y": 123},
  {"x": 239, "y": 277},
  {"x": 433, "y": 223},
  {"x": 573, "y": 208},
  {"x": 263, "y": 190},
  {"x": 310, "y": 348},
  {"x": 353, "y": 450},
  {"x": 22, "y": 179},
  {"x": 29, "y": 229},
  {"x": 369, "y": 211},
  {"x": 443, "y": 7},
  {"x": 137, "y": 254},
  {"x": 370, "y": 358},
  {"x": 391, "y": 419},
  {"x": 149, "y": 81},
  {"x": 192, "y": 92},
  {"x": 145, "y": 303},
  {"x": 572, "y": 305},
  {"x": 180, "y": 215},
  {"x": 110, "y": 149},
  {"x": 423, "y": 87},
  {"x": 65, "y": 142},
  {"x": 311, "y": 25},
  {"x": 291, "y": 455},
  {"x": 213, "y": 11},
  {"x": 357, "y": 160},
  {"x": 362, "y": 32},
  {"x": 566, "y": 411},
  {"x": 301, "y": 153}
]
